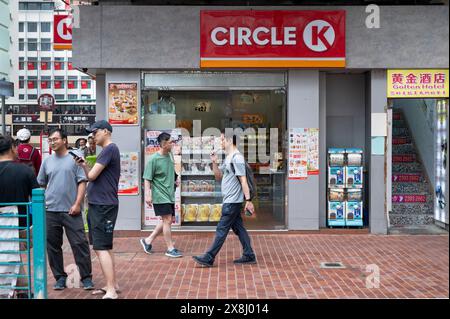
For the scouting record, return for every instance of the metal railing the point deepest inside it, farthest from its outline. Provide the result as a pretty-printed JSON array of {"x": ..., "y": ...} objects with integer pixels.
[{"x": 20, "y": 240}]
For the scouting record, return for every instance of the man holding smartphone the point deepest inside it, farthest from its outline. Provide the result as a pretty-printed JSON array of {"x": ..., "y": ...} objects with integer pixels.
[
  {"x": 235, "y": 190},
  {"x": 65, "y": 184}
]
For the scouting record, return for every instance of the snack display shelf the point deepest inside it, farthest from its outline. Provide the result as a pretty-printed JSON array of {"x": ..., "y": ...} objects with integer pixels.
[
  {"x": 196, "y": 174},
  {"x": 201, "y": 194}
]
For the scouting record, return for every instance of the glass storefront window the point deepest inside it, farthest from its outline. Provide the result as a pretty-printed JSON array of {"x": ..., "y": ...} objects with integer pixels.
[{"x": 259, "y": 113}]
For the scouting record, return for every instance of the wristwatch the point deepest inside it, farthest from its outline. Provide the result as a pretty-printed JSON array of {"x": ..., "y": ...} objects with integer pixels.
[{"x": 248, "y": 200}]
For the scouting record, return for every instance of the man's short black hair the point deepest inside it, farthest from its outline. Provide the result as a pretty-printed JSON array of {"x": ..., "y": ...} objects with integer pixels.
[
  {"x": 6, "y": 143},
  {"x": 163, "y": 137},
  {"x": 229, "y": 134},
  {"x": 60, "y": 131}
]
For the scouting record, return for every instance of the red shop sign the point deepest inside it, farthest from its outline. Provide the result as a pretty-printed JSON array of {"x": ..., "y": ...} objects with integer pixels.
[
  {"x": 247, "y": 38},
  {"x": 62, "y": 32},
  {"x": 409, "y": 199},
  {"x": 407, "y": 158},
  {"x": 406, "y": 178}
]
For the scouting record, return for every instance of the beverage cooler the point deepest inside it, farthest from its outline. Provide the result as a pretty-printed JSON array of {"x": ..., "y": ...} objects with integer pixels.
[{"x": 345, "y": 187}]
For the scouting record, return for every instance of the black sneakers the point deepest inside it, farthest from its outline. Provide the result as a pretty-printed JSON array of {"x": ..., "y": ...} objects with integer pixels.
[
  {"x": 203, "y": 261},
  {"x": 147, "y": 248},
  {"x": 245, "y": 260}
]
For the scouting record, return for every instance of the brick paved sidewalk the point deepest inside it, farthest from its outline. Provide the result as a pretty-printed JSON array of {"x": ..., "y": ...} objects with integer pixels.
[{"x": 288, "y": 267}]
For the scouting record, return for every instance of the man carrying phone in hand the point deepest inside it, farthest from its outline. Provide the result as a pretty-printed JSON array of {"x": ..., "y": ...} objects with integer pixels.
[
  {"x": 65, "y": 184},
  {"x": 235, "y": 191}
]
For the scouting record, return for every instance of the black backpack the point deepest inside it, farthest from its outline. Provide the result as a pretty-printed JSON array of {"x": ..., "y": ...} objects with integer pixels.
[{"x": 250, "y": 178}]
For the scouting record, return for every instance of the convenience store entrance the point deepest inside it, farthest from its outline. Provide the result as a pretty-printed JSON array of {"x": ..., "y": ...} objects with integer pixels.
[{"x": 197, "y": 106}]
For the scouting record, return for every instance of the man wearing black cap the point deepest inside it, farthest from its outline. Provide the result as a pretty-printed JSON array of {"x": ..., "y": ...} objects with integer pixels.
[{"x": 103, "y": 203}]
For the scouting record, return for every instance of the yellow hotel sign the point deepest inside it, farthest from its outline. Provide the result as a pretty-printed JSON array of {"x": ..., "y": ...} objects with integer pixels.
[{"x": 417, "y": 83}]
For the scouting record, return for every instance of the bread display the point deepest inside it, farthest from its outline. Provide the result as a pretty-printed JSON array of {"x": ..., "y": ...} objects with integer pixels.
[
  {"x": 191, "y": 213},
  {"x": 216, "y": 213},
  {"x": 204, "y": 211}
]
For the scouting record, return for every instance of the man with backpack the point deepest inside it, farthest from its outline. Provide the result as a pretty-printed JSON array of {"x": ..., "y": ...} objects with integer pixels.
[
  {"x": 27, "y": 154},
  {"x": 236, "y": 175}
]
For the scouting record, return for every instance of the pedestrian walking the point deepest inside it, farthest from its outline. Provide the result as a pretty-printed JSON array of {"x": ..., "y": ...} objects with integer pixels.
[
  {"x": 159, "y": 185},
  {"x": 235, "y": 189}
]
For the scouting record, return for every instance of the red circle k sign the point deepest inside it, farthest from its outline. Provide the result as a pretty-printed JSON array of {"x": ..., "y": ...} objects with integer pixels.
[
  {"x": 62, "y": 32},
  {"x": 241, "y": 38}
]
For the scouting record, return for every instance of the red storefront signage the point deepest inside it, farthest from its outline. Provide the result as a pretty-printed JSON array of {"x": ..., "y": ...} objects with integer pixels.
[
  {"x": 62, "y": 32},
  {"x": 400, "y": 140},
  {"x": 406, "y": 178},
  {"x": 249, "y": 38},
  {"x": 403, "y": 158},
  {"x": 409, "y": 199}
]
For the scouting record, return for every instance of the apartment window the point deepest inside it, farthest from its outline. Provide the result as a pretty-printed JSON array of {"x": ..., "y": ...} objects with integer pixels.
[
  {"x": 72, "y": 82},
  {"x": 21, "y": 63},
  {"x": 31, "y": 65},
  {"x": 45, "y": 64},
  {"x": 35, "y": 6},
  {"x": 32, "y": 97},
  {"x": 21, "y": 96},
  {"x": 72, "y": 97},
  {"x": 85, "y": 82},
  {"x": 32, "y": 26},
  {"x": 46, "y": 82},
  {"x": 85, "y": 96},
  {"x": 59, "y": 97},
  {"x": 32, "y": 44},
  {"x": 47, "y": 6},
  {"x": 45, "y": 26},
  {"x": 46, "y": 45},
  {"x": 21, "y": 27},
  {"x": 21, "y": 45},
  {"x": 59, "y": 63},
  {"x": 21, "y": 82},
  {"x": 59, "y": 82}
]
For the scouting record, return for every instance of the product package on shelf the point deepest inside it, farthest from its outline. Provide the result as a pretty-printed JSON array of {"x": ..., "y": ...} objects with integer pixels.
[
  {"x": 336, "y": 157},
  {"x": 354, "y": 195},
  {"x": 216, "y": 213},
  {"x": 336, "y": 195},
  {"x": 336, "y": 213},
  {"x": 204, "y": 211},
  {"x": 336, "y": 177},
  {"x": 191, "y": 211},
  {"x": 354, "y": 176},
  {"x": 354, "y": 213}
]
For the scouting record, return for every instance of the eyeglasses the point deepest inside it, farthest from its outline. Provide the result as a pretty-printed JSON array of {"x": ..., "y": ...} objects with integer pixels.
[{"x": 51, "y": 140}]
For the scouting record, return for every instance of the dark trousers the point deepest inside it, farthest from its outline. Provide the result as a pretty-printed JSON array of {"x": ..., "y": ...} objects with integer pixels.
[
  {"x": 74, "y": 228},
  {"x": 231, "y": 219}
]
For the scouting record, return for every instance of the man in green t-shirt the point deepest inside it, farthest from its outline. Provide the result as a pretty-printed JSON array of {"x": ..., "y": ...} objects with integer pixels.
[{"x": 159, "y": 185}]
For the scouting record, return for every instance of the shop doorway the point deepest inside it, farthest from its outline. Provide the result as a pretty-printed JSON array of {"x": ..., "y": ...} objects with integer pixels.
[
  {"x": 251, "y": 102},
  {"x": 419, "y": 165}
]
